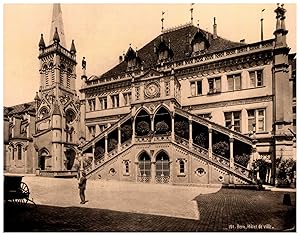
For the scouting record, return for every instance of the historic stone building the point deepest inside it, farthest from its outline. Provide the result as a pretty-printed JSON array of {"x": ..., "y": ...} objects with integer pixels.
[
  {"x": 190, "y": 107},
  {"x": 43, "y": 135}
]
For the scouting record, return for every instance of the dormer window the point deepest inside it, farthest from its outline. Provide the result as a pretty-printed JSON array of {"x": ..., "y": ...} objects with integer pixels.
[
  {"x": 199, "y": 42},
  {"x": 163, "y": 51},
  {"x": 133, "y": 61}
]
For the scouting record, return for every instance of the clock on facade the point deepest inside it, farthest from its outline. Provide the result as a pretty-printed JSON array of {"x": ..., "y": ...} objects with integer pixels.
[{"x": 152, "y": 90}]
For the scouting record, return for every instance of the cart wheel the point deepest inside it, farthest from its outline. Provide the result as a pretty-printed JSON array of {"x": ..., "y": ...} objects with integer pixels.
[
  {"x": 24, "y": 188},
  {"x": 23, "y": 191},
  {"x": 20, "y": 201}
]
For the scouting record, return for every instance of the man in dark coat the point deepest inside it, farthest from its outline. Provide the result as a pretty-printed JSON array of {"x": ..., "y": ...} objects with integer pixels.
[{"x": 81, "y": 186}]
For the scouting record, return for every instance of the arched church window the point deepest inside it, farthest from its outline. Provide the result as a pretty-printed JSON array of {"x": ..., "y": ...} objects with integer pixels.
[
  {"x": 69, "y": 74},
  {"x": 162, "y": 164},
  {"x": 44, "y": 112},
  {"x": 19, "y": 151},
  {"x": 61, "y": 75},
  {"x": 70, "y": 116},
  {"x": 144, "y": 165}
]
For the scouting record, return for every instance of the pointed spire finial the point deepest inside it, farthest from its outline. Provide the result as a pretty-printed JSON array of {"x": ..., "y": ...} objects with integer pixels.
[
  {"x": 37, "y": 98},
  {"x": 57, "y": 22},
  {"x": 192, "y": 12},
  {"x": 162, "y": 21},
  {"x": 42, "y": 42},
  {"x": 73, "y": 49},
  {"x": 56, "y": 38}
]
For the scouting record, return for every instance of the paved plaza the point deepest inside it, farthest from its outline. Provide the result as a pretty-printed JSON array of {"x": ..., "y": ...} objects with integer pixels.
[{"x": 119, "y": 207}]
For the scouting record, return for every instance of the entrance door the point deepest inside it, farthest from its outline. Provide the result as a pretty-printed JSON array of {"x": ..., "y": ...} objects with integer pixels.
[{"x": 70, "y": 156}]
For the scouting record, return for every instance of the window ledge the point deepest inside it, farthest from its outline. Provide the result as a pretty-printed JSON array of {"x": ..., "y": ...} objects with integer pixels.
[
  {"x": 126, "y": 174},
  {"x": 181, "y": 175}
]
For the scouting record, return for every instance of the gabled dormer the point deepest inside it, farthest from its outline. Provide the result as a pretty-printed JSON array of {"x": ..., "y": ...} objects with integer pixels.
[
  {"x": 200, "y": 42},
  {"x": 132, "y": 59},
  {"x": 163, "y": 51}
]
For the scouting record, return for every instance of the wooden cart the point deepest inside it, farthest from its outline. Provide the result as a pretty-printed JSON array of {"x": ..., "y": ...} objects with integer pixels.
[{"x": 16, "y": 191}]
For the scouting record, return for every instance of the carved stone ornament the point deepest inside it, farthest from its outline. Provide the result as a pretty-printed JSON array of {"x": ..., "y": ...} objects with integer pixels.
[{"x": 152, "y": 90}]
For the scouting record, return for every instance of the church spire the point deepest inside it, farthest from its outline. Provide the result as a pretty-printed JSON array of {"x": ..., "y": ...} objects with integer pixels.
[{"x": 57, "y": 22}]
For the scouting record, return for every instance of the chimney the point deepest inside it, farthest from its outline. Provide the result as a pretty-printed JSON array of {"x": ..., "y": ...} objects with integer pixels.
[
  {"x": 215, "y": 35},
  {"x": 242, "y": 41},
  {"x": 120, "y": 59}
]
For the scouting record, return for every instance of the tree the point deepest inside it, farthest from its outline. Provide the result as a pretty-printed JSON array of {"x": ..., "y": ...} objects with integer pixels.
[
  {"x": 201, "y": 140},
  {"x": 182, "y": 129},
  {"x": 126, "y": 133},
  {"x": 161, "y": 127},
  {"x": 221, "y": 148},
  {"x": 143, "y": 128}
]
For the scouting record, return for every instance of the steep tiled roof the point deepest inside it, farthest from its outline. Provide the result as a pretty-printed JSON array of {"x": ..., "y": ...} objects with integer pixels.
[
  {"x": 20, "y": 108},
  {"x": 179, "y": 39}
]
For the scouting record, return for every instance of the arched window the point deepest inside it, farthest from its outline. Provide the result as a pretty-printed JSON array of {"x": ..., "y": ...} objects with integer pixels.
[
  {"x": 126, "y": 167},
  {"x": 144, "y": 164},
  {"x": 142, "y": 123},
  {"x": 181, "y": 167},
  {"x": 162, "y": 121},
  {"x": 19, "y": 151},
  {"x": 162, "y": 164}
]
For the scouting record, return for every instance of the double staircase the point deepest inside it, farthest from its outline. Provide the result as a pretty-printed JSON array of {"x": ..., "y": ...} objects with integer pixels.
[{"x": 238, "y": 173}]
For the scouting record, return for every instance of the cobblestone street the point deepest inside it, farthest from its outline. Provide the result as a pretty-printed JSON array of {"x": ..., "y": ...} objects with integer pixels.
[{"x": 132, "y": 207}]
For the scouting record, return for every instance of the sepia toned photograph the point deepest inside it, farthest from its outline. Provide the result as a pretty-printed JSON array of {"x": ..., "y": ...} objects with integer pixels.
[{"x": 136, "y": 117}]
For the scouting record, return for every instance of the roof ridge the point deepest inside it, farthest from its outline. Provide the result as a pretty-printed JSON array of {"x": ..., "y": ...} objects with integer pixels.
[{"x": 174, "y": 28}]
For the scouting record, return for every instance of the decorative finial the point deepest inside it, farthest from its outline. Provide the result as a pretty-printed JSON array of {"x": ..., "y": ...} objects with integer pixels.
[
  {"x": 73, "y": 49},
  {"x": 83, "y": 63},
  {"x": 162, "y": 21},
  {"x": 192, "y": 12},
  {"x": 262, "y": 25},
  {"x": 42, "y": 42},
  {"x": 56, "y": 36},
  {"x": 282, "y": 5}
]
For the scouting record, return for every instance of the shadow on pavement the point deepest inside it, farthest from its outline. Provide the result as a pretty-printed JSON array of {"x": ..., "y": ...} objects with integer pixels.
[
  {"x": 226, "y": 210},
  {"x": 246, "y": 210},
  {"x": 45, "y": 218}
]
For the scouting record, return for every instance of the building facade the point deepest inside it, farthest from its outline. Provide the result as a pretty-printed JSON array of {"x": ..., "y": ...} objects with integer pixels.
[
  {"x": 190, "y": 107},
  {"x": 43, "y": 135}
]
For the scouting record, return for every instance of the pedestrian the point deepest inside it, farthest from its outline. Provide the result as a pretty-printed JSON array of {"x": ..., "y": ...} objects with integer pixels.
[{"x": 82, "y": 186}]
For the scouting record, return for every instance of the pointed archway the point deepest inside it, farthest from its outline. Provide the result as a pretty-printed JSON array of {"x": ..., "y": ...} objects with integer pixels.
[
  {"x": 144, "y": 167},
  {"x": 162, "y": 165}
]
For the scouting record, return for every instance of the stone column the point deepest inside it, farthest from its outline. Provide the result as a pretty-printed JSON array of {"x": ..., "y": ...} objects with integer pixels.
[
  {"x": 105, "y": 146},
  {"x": 231, "y": 159},
  {"x": 152, "y": 123},
  {"x": 210, "y": 169},
  {"x": 133, "y": 130},
  {"x": 190, "y": 133},
  {"x": 173, "y": 127},
  {"x": 153, "y": 171},
  {"x": 93, "y": 161},
  {"x": 209, "y": 142},
  {"x": 119, "y": 137}
]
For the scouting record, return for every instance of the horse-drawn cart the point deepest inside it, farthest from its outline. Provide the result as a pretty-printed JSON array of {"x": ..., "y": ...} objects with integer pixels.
[{"x": 16, "y": 191}]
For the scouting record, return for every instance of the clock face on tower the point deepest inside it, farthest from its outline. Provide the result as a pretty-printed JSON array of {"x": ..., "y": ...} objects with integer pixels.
[{"x": 152, "y": 90}]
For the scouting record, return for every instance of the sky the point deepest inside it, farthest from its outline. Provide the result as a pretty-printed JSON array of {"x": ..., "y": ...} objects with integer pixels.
[{"x": 102, "y": 32}]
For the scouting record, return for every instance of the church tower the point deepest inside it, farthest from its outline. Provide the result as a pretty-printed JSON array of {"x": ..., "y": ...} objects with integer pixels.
[{"x": 57, "y": 104}]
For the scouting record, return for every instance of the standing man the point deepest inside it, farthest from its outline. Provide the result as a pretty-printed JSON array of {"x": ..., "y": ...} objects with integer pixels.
[{"x": 81, "y": 186}]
